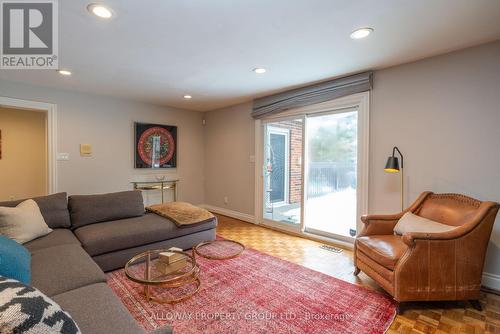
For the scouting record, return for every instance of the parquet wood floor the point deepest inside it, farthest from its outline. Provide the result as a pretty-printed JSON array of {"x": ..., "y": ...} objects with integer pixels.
[{"x": 434, "y": 318}]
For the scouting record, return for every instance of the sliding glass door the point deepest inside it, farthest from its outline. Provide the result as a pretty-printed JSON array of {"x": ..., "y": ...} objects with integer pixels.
[
  {"x": 331, "y": 177},
  {"x": 314, "y": 171}
]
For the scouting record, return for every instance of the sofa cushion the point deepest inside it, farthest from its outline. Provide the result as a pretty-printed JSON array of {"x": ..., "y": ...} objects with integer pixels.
[
  {"x": 118, "y": 259},
  {"x": 15, "y": 260},
  {"x": 58, "y": 236},
  {"x": 413, "y": 223},
  {"x": 23, "y": 223},
  {"x": 24, "y": 309},
  {"x": 97, "y": 310},
  {"x": 54, "y": 209},
  {"x": 383, "y": 249},
  {"x": 126, "y": 233},
  {"x": 91, "y": 209},
  {"x": 62, "y": 268}
]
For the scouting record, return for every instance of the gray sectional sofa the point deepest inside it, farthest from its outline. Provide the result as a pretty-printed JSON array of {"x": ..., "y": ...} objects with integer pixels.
[{"x": 93, "y": 234}]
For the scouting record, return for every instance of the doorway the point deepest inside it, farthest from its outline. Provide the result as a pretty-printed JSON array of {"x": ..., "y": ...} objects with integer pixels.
[
  {"x": 313, "y": 168},
  {"x": 27, "y": 145},
  {"x": 23, "y": 154},
  {"x": 282, "y": 193}
]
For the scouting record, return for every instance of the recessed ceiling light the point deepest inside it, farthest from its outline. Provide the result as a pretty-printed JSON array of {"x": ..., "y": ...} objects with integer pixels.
[
  {"x": 259, "y": 70},
  {"x": 188, "y": 97},
  {"x": 100, "y": 10},
  {"x": 361, "y": 33},
  {"x": 64, "y": 72}
]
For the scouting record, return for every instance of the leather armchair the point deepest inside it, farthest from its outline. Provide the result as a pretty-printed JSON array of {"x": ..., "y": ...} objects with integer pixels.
[{"x": 428, "y": 266}]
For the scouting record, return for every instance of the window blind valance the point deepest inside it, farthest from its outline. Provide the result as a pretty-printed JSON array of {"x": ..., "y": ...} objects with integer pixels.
[{"x": 313, "y": 94}]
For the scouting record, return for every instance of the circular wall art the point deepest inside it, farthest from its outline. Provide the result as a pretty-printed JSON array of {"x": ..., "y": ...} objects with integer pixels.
[{"x": 156, "y": 146}]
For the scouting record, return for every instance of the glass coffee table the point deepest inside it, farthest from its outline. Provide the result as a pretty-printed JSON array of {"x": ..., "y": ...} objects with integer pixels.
[
  {"x": 219, "y": 249},
  {"x": 183, "y": 283}
]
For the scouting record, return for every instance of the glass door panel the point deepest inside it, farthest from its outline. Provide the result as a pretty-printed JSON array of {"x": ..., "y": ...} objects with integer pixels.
[
  {"x": 278, "y": 158},
  {"x": 331, "y": 171},
  {"x": 282, "y": 182}
]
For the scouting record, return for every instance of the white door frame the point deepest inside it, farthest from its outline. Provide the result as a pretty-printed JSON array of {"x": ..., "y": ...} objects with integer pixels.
[
  {"x": 361, "y": 101},
  {"x": 51, "y": 110}
]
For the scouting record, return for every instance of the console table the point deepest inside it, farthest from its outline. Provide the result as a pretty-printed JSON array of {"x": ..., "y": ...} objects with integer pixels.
[{"x": 158, "y": 185}]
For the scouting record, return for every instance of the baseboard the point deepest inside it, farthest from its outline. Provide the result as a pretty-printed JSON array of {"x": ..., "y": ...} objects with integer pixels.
[
  {"x": 491, "y": 281},
  {"x": 230, "y": 213}
]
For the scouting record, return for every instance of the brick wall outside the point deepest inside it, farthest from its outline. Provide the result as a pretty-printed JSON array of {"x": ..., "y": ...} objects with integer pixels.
[{"x": 295, "y": 177}]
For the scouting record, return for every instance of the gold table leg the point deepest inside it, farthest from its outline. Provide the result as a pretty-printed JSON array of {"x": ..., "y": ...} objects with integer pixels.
[
  {"x": 147, "y": 275},
  {"x": 155, "y": 299}
]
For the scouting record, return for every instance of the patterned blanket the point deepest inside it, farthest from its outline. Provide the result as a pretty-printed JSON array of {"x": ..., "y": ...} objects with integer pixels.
[{"x": 181, "y": 213}]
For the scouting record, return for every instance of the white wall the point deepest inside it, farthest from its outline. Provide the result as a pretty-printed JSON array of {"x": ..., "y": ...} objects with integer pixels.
[
  {"x": 443, "y": 113},
  {"x": 107, "y": 124},
  {"x": 229, "y": 143}
]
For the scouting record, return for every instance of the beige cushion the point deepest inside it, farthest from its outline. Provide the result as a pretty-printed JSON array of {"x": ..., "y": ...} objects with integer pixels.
[
  {"x": 23, "y": 223},
  {"x": 413, "y": 223}
]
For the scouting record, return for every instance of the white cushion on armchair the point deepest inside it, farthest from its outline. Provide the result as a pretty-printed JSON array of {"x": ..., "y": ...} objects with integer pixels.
[{"x": 413, "y": 223}]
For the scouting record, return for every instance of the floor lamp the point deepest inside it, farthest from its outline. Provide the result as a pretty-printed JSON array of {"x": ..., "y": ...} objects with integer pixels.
[{"x": 392, "y": 166}]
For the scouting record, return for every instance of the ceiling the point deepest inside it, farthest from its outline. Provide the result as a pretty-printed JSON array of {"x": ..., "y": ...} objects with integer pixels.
[{"x": 159, "y": 50}]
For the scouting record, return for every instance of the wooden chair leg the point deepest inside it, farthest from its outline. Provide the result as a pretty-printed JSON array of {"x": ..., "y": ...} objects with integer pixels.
[
  {"x": 356, "y": 271},
  {"x": 400, "y": 308},
  {"x": 476, "y": 305}
]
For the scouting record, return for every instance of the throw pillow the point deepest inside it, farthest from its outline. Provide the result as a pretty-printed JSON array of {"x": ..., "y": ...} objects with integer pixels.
[
  {"x": 24, "y": 309},
  {"x": 23, "y": 223},
  {"x": 54, "y": 209},
  {"x": 413, "y": 223},
  {"x": 15, "y": 260}
]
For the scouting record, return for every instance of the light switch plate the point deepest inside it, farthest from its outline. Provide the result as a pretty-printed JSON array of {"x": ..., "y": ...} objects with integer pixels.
[
  {"x": 62, "y": 156},
  {"x": 85, "y": 150}
]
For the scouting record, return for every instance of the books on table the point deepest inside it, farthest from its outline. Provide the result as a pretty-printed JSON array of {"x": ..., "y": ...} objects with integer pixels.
[
  {"x": 170, "y": 257},
  {"x": 171, "y": 262}
]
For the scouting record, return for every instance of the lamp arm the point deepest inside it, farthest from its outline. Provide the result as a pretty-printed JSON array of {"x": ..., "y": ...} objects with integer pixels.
[
  {"x": 402, "y": 177},
  {"x": 401, "y": 154}
]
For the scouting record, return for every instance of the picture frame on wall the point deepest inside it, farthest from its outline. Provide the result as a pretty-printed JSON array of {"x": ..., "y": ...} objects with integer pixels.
[{"x": 155, "y": 145}]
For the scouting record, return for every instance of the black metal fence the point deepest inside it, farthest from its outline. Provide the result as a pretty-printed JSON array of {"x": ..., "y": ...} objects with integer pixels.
[{"x": 327, "y": 177}]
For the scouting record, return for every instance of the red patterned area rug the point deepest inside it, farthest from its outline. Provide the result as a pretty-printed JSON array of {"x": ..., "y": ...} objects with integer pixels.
[{"x": 259, "y": 293}]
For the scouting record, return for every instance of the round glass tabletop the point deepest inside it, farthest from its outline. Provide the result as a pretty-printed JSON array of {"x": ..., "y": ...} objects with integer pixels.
[{"x": 220, "y": 249}]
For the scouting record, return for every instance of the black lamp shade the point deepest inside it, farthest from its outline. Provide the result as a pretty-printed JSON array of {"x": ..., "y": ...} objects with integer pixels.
[{"x": 392, "y": 165}]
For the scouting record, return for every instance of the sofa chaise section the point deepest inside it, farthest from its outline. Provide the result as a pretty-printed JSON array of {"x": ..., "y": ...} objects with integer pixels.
[
  {"x": 118, "y": 259},
  {"x": 121, "y": 234},
  {"x": 58, "y": 269},
  {"x": 72, "y": 279},
  {"x": 96, "y": 310}
]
